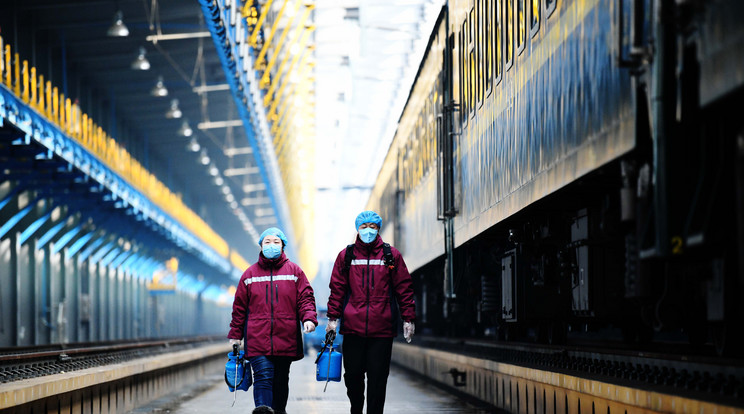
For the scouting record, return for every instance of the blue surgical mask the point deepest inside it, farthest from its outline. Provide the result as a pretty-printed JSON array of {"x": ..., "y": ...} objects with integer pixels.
[
  {"x": 368, "y": 234},
  {"x": 271, "y": 251}
]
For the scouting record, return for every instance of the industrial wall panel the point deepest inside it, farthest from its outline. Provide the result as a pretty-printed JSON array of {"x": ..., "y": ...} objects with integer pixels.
[
  {"x": 97, "y": 310},
  {"x": 127, "y": 306},
  {"x": 120, "y": 315},
  {"x": 8, "y": 298},
  {"x": 71, "y": 300},
  {"x": 42, "y": 290},
  {"x": 56, "y": 279},
  {"x": 26, "y": 294}
]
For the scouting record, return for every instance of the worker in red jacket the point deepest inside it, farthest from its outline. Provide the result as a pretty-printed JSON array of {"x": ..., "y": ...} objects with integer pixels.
[
  {"x": 273, "y": 300},
  {"x": 371, "y": 290}
]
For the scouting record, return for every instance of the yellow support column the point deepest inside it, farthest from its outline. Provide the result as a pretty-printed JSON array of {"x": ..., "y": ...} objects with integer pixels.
[
  {"x": 281, "y": 75},
  {"x": 55, "y": 106},
  {"x": 264, "y": 12},
  {"x": 24, "y": 79},
  {"x": 277, "y": 48},
  {"x": 17, "y": 76},
  {"x": 33, "y": 88},
  {"x": 2, "y": 61},
  {"x": 40, "y": 105},
  {"x": 49, "y": 101},
  {"x": 267, "y": 41},
  {"x": 67, "y": 123},
  {"x": 7, "y": 66},
  {"x": 305, "y": 37}
]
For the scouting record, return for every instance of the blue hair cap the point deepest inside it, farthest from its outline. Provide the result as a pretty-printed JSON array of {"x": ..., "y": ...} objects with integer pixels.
[
  {"x": 368, "y": 217},
  {"x": 273, "y": 231}
]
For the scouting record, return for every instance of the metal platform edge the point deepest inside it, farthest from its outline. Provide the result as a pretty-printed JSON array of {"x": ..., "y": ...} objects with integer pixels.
[
  {"x": 76, "y": 385},
  {"x": 526, "y": 390}
]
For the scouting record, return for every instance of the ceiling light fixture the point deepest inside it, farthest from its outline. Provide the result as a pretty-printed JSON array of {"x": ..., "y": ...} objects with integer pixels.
[
  {"x": 185, "y": 129},
  {"x": 204, "y": 158},
  {"x": 118, "y": 28},
  {"x": 174, "y": 112},
  {"x": 213, "y": 171},
  {"x": 141, "y": 62},
  {"x": 159, "y": 89},
  {"x": 193, "y": 145}
]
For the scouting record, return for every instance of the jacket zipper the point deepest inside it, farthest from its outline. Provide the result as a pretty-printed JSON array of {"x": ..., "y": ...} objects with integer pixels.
[
  {"x": 271, "y": 337},
  {"x": 366, "y": 323}
]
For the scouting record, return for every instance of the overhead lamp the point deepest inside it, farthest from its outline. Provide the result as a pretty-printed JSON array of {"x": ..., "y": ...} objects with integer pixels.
[
  {"x": 141, "y": 62},
  {"x": 213, "y": 171},
  {"x": 204, "y": 158},
  {"x": 118, "y": 28},
  {"x": 159, "y": 89},
  {"x": 193, "y": 145},
  {"x": 219, "y": 180},
  {"x": 174, "y": 112},
  {"x": 185, "y": 129}
]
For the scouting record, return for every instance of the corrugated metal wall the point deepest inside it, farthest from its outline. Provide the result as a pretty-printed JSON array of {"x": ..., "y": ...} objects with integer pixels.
[{"x": 65, "y": 279}]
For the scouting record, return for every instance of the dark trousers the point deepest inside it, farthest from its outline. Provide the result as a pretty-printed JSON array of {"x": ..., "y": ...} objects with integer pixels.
[
  {"x": 271, "y": 381},
  {"x": 370, "y": 356}
]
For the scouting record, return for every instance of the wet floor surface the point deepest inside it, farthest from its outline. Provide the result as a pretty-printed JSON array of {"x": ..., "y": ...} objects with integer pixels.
[{"x": 405, "y": 394}]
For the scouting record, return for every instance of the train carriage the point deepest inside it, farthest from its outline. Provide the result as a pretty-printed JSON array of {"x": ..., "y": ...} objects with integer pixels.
[{"x": 581, "y": 158}]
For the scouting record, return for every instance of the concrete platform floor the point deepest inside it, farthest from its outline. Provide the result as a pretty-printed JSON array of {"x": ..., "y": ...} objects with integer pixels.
[{"x": 405, "y": 394}]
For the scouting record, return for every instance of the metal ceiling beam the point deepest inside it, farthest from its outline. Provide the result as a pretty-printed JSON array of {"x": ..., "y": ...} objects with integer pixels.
[
  {"x": 238, "y": 65},
  {"x": 220, "y": 124},
  {"x": 176, "y": 36}
]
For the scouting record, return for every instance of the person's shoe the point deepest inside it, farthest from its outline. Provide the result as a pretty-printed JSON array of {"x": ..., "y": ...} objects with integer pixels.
[{"x": 263, "y": 409}]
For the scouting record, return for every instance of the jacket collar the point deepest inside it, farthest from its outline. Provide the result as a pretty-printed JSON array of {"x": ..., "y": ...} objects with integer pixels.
[
  {"x": 369, "y": 248},
  {"x": 271, "y": 263}
]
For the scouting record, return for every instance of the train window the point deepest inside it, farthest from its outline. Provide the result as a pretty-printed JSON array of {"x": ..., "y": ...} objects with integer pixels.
[
  {"x": 534, "y": 17},
  {"x": 497, "y": 41},
  {"x": 550, "y": 7},
  {"x": 488, "y": 50},
  {"x": 509, "y": 33},
  {"x": 479, "y": 75},
  {"x": 471, "y": 63},
  {"x": 521, "y": 22},
  {"x": 464, "y": 71}
]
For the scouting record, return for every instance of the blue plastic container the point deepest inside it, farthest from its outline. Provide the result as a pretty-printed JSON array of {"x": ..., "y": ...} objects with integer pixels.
[
  {"x": 328, "y": 366},
  {"x": 237, "y": 372}
]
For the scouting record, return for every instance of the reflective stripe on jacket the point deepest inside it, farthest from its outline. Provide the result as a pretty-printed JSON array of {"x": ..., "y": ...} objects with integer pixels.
[
  {"x": 371, "y": 299},
  {"x": 272, "y": 300}
]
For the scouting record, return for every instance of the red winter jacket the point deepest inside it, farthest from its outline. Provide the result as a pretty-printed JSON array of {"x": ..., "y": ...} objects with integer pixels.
[
  {"x": 368, "y": 298},
  {"x": 273, "y": 298}
]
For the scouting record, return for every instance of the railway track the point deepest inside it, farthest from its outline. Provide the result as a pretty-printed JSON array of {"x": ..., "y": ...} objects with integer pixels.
[{"x": 37, "y": 361}]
